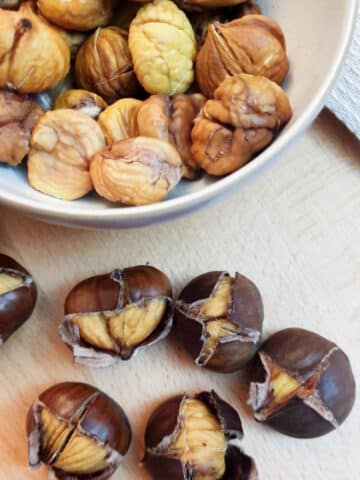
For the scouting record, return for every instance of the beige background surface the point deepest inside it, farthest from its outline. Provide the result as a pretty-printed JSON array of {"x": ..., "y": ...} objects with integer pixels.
[{"x": 295, "y": 232}]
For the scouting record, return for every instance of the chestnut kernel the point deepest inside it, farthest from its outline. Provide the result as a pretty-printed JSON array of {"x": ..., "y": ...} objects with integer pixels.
[
  {"x": 116, "y": 314},
  {"x": 196, "y": 437},
  {"x": 303, "y": 385},
  {"x": 78, "y": 432},
  {"x": 218, "y": 319},
  {"x": 17, "y": 296}
]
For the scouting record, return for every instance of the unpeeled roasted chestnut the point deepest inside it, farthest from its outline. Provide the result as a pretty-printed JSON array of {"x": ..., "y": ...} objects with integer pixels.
[
  {"x": 17, "y": 296},
  {"x": 218, "y": 320},
  {"x": 196, "y": 437},
  {"x": 116, "y": 314},
  {"x": 303, "y": 385},
  {"x": 78, "y": 431}
]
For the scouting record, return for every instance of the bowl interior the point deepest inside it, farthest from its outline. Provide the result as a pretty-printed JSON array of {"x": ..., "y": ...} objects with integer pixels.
[{"x": 316, "y": 34}]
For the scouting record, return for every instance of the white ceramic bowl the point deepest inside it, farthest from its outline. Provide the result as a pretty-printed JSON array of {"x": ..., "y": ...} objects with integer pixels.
[{"x": 317, "y": 33}]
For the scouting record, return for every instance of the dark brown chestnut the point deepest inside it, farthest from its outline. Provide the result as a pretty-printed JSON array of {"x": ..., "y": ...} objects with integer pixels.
[
  {"x": 116, "y": 314},
  {"x": 17, "y": 296},
  {"x": 78, "y": 431},
  {"x": 218, "y": 319},
  {"x": 196, "y": 437},
  {"x": 303, "y": 385}
]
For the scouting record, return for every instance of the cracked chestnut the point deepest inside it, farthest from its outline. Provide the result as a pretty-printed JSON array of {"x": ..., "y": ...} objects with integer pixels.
[
  {"x": 303, "y": 385},
  {"x": 218, "y": 319},
  {"x": 78, "y": 431},
  {"x": 116, "y": 314},
  {"x": 196, "y": 437},
  {"x": 17, "y": 296}
]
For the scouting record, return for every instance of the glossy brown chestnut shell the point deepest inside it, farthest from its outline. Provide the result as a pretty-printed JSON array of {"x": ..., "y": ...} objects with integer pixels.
[
  {"x": 303, "y": 385},
  {"x": 78, "y": 431},
  {"x": 17, "y": 296},
  {"x": 226, "y": 338},
  {"x": 116, "y": 314},
  {"x": 163, "y": 459}
]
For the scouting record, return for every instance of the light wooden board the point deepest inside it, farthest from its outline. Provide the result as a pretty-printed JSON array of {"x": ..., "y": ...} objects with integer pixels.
[{"x": 295, "y": 232}]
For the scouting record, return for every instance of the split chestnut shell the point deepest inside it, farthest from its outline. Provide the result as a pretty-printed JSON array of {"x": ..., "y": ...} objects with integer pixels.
[
  {"x": 190, "y": 437},
  {"x": 78, "y": 431},
  {"x": 218, "y": 320},
  {"x": 17, "y": 296},
  {"x": 116, "y": 314},
  {"x": 302, "y": 384}
]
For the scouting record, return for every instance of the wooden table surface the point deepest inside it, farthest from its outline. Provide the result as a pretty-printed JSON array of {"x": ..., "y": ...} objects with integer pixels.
[{"x": 295, "y": 232}]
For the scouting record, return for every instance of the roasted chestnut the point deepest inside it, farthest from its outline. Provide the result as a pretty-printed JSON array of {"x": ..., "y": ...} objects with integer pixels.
[
  {"x": 117, "y": 314},
  {"x": 78, "y": 432},
  {"x": 17, "y": 296},
  {"x": 303, "y": 385},
  {"x": 218, "y": 319},
  {"x": 196, "y": 437}
]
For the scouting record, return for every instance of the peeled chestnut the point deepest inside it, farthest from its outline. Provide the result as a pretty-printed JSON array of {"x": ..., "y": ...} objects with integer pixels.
[
  {"x": 33, "y": 55},
  {"x": 119, "y": 120},
  {"x": 303, "y": 385},
  {"x": 218, "y": 319},
  {"x": 136, "y": 171},
  {"x": 171, "y": 120},
  {"x": 245, "y": 115},
  {"x": 104, "y": 65},
  {"x": 17, "y": 296},
  {"x": 18, "y": 117},
  {"x": 117, "y": 314},
  {"x": 252, "y": 44},
  {"x": 77, "y": 14},
  {"x": 82, "y": 100},
  {"x": 78, "y": 432},
  {"x": 196, "y": 437}
]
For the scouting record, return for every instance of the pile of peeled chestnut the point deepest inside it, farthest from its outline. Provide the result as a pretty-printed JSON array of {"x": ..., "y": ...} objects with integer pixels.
[
  {"x": 127, "y": 97},
  {"x": 301, "y": 384}
]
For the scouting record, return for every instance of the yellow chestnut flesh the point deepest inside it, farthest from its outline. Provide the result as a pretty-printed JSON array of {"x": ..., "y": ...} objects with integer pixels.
[
  {"x": 9, "y": 282},
  {"x": 128, "y": 328},
  {"x": 200, "y": 441}
]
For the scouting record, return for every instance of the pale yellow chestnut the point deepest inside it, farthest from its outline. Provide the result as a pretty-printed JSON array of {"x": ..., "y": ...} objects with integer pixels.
[
  {"x": 119, "y": 120},
  {"x": 78, "y": 15},
  {"x": 163, "y": 47},
  {"x": 62, "y": 144},
  {"x": 33, "y": 55}
]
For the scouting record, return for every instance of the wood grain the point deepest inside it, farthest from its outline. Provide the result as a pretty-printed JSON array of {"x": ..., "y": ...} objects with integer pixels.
[{"x": 295, "y": 232}]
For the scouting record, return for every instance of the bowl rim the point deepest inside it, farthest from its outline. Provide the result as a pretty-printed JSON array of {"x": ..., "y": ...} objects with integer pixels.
[{"x": 216, "y": 189}]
